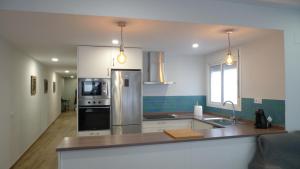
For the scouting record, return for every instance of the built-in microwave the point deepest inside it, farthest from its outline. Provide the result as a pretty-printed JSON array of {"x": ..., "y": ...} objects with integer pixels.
[{"x": 93, "y": 91}]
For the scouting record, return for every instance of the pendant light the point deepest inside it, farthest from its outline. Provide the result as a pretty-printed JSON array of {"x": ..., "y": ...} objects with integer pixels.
[
  {"x": 121, "y": 58},
  {"x": 229, "y": 59}
]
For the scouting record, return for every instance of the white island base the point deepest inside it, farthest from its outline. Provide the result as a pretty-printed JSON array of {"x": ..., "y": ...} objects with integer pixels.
[{"x": 230, "y": 153}]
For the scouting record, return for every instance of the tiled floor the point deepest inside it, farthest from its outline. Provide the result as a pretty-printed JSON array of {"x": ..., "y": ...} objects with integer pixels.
[{"x": 42, "y": 154}]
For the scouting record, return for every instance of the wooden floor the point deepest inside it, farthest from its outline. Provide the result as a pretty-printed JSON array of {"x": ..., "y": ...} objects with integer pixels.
[{"x": 42, "y": 154}]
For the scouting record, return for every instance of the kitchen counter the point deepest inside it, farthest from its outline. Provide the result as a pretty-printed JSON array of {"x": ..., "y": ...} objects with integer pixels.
[{"x": 243, "y": 129}]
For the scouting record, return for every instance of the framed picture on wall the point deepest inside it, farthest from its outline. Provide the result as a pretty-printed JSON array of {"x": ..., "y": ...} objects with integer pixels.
[
  {"x": 33, "y": 85},
  {"x": 45, "y": 86},
  {"x": 54, "y": 87}
]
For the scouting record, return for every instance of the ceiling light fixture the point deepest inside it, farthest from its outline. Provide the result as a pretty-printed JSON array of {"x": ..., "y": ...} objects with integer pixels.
[
  {"x": 72, "y": 77},
  {"x": 195, "y": 45},
  {"x": 67, "y": 71},
  {"x": 115, "y": 42},
  {"x": 121, "y": 57},
  {"x": 54, "y": 59},
  {"x": 229, "y": 59}
]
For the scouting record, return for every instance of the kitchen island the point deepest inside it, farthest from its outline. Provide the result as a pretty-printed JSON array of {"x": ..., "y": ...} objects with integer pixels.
[{"x": 232, "y": 146}]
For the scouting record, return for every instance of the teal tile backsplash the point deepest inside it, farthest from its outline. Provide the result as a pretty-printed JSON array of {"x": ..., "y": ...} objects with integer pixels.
[
  {"x": 274, "y": 108},
  {"x": 172, "y": 103}
]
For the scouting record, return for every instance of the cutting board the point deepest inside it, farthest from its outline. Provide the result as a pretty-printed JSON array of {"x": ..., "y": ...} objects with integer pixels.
[{"x": 183, "y": 133}]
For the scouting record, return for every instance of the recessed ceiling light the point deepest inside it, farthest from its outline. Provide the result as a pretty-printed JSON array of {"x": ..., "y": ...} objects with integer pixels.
[
  {"x": 115, "y": 42},
  {"x": 67, "y": 71},
  {"x": 72, "y": 77},
  {"x": 195, "y": 45},
  {"x": 54, "y": 59}
]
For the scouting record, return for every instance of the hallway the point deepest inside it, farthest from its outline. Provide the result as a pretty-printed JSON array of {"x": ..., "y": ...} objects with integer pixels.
[{"x": 42, "y": 154}]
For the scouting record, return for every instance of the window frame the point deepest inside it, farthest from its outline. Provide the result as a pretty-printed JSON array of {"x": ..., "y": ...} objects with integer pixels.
[{"x": 217, "y": 104}]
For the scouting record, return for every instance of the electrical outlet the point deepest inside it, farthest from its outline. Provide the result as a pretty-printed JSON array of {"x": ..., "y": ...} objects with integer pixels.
[{"x": 258, "y": 100}]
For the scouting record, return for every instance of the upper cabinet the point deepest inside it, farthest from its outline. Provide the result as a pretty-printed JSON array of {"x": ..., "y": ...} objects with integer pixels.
[
  {"x": 93, "y": 62},
  {"x": 97, "y": 62}
]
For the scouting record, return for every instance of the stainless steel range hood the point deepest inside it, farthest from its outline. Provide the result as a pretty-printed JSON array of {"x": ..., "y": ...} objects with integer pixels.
[{"x": 154, "y": 68}]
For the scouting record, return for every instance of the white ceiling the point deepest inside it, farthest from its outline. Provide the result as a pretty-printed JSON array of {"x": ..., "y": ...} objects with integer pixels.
[
  {"x": 295, "y": 4},
  {"x": 44, "y": 35}
]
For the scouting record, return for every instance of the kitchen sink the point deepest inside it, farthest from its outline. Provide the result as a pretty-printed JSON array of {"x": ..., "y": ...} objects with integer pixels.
[
  {"x": 160, "y": 116},
  {"x": 219, "y": 121}
]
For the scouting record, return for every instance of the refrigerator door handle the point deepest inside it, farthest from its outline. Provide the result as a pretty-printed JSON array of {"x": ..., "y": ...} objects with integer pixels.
[{"x": 126, "y": 82}]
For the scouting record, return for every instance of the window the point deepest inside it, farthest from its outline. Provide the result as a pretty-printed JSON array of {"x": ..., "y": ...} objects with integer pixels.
[
  {"x": 216, "y": 84},
  {"x": 230, "y": 83},
  {"x": 224, "y": 83}
]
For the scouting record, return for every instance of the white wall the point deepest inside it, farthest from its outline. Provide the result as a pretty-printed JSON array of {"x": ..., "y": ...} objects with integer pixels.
[
  {"x": 262, "y": 67},
  {"x": 24, "y": 117},
  {"x": 70, "y": 85},
  {"x": 188, "y": 73},
  {"x": 5, "y": 105}
]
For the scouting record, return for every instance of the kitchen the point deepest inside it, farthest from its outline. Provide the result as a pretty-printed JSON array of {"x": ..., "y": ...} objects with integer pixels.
[
  {"x": 181, "y": 97},
  {"x": 185, "y": 82},
  {"x": 141, "y": 96}
]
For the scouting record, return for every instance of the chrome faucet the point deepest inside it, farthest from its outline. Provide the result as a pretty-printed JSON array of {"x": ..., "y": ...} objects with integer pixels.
[{"x": 233, "y": 117}]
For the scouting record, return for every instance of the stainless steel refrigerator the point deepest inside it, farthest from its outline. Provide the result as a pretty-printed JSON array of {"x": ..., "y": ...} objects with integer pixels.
[{"x": 126, "y": 86}]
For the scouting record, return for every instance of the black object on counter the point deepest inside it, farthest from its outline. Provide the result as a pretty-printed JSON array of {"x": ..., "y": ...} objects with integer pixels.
[{"x": 260, "y": 119}]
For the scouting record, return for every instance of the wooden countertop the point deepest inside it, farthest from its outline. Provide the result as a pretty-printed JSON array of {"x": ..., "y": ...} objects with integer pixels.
[{"x": 244, "y": 129}]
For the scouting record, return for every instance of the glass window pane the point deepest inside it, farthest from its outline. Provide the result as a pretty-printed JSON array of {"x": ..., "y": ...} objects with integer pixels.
[
  {"x": 230, "y": 82},
  {"x": 215, "y": 84}
]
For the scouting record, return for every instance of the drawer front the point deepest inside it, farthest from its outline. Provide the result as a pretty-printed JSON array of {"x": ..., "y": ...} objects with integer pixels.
[
  {"x": 152, "y": 130},
  {"x": 161, "y": 125},
  {"x": 167, "y": 123}
]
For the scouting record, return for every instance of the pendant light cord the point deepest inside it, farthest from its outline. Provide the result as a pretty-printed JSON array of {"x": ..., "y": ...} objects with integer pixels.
[
  {"x": 121, "y": 47},
  {"x": 229, "y": 44},
  {"x": 122, "y": 24}
]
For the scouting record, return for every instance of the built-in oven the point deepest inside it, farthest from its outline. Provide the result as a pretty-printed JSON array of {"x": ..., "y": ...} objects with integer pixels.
[
  {"x": 91, "y": 118},
  {"x": 94, "y": 104},
  {"x": 94, "y": 91}
]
